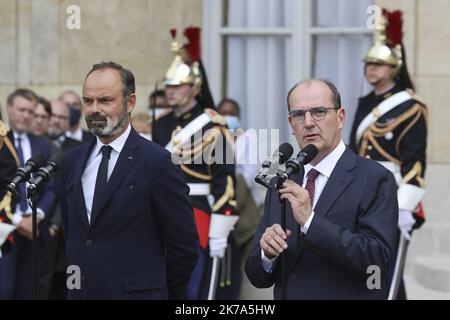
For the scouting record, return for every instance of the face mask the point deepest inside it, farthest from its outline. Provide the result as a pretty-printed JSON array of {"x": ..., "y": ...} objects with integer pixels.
[
  {"x": 158, "y": 112},
  {"x": 232, "y": 122},
  {"x": 75, "y": 115}
]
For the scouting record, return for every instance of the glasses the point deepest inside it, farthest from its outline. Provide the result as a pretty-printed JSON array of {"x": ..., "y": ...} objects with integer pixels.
[{"x": 317, "y": 113}]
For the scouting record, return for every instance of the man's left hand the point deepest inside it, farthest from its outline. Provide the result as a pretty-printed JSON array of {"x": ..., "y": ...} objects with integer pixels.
[{"x": 299, "y": 200}]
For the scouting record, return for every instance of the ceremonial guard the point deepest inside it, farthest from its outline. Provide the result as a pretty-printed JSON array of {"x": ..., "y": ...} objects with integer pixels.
[
  {"x": 8, "y": 166},
  {"x": 201, "y": 145},
  {"x": 390, "y": 127}
]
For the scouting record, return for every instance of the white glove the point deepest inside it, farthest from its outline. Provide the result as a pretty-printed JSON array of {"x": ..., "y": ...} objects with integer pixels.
[
  {"x": 217, "y": 247},
  {"x": 406, "y": 222}
]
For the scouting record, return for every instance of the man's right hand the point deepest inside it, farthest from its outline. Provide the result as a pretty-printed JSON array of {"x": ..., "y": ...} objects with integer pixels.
[{"x": 273, "y": 241}]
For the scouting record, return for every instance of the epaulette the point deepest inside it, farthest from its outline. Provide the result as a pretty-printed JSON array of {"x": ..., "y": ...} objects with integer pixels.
[
  {"x": 215, "y": 117},
  {"x": 416, "y": 97}
]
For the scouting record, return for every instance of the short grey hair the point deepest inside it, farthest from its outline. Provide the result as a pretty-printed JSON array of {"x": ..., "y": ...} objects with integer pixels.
[{"x": 335, "y": 95}]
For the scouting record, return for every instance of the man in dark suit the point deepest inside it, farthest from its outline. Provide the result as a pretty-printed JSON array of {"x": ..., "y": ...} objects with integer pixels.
[
  {"x": 16, "y": 266},
  {"x": 341, "y": 222},
  {"x": 127, "y": 220}
]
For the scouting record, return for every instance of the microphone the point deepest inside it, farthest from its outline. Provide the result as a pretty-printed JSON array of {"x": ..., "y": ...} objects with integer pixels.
[
  {"x": 305, "y": 155},
  {"x": 44, "y": 173},
  {"x": 280, "y": 156},
  {"x": 23, "y": 174}
]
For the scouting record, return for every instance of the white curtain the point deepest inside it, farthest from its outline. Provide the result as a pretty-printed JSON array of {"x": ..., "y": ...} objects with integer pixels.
[
  {"x": 339, "y": 57},
  {"x": 258, "y": 66}
]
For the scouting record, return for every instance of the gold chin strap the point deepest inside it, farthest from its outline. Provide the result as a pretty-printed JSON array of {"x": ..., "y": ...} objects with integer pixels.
[
  {"x": 186, "y": 98},
  {"x": 5, "y": 204}
]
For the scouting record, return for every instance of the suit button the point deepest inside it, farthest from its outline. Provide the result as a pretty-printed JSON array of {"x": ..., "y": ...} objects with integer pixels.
[
  {"x": 83, "y": 279},
  {"x": 293, "y": 276},
  {"x": 89, "y": 243},
  {"x": 368, "y": 157}
]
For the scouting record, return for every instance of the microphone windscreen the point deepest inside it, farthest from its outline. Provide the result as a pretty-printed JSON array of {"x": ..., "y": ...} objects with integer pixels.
[
  {"x": 57, "y": 159},
  {"x": 38, "y": 160},
  {"x": 285, "y": 151},
  {"x": 310, "y": 151}
]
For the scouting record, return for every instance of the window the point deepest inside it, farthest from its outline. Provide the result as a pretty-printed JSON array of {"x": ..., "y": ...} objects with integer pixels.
[{"x": 255, "y": 50}]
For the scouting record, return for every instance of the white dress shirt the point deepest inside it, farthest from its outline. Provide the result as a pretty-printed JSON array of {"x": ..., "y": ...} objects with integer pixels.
[
  {"x": 26, "y": 150},
  {"x": 89, "y": 176},
  {"x": 77, "y": 135},
  {"x": 325, "y": 168}
]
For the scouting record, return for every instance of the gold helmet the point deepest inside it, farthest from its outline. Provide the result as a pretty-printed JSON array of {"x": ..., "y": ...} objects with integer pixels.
[
  {"x": 388, "y": 38},
  {"x": 182, "y": 70}
]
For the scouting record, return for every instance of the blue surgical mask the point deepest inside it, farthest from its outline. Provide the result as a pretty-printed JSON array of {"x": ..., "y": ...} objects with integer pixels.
[
  {"x": 233, "y": 122},
  {"x": 75, "y": 115}
]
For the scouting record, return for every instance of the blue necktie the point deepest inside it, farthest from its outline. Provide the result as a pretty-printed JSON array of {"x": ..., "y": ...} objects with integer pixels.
[{"x": 23, "y": 202}]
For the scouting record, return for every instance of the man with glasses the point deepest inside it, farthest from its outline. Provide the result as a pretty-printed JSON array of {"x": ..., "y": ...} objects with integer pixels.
[{"x": 341, "y": 212}]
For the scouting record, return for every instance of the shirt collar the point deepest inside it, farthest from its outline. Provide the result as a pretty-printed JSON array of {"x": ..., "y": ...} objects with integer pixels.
[
  {"x": 22, "y": 136},
  {"x": 327, "y": 164},
  {"x": 117, "y": 144}
]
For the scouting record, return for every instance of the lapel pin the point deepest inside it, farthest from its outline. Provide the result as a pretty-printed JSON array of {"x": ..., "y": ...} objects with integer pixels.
[{"x": 130, "y": 158}]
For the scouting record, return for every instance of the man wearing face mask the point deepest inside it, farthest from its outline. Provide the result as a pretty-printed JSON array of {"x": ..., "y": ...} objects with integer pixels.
[
  {"x": 198, "y": 139},
  {"x": 73, "y": 101}
]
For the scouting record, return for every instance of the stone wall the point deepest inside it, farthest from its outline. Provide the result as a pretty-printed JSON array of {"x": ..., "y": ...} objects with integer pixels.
[{"x": 40, "y": 52}]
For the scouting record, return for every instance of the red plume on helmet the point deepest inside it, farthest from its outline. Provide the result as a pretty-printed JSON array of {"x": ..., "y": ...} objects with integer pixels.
[
  {"x": 173, "y": 33},
  {"x": 394, "y": 33},
  {"x": 193, "y": 46}
]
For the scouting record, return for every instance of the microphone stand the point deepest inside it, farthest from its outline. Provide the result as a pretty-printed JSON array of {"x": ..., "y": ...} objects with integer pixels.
[
  {"x": 283, "y": 261},
  {"x": 32, "y": 200},
  {"x": 280, "y": 181}
]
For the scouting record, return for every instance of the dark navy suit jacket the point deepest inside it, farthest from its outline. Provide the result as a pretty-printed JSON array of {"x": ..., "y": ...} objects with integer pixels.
[
  {"x": 142, "y": 243},
  {"x": 354, "y": 227}
]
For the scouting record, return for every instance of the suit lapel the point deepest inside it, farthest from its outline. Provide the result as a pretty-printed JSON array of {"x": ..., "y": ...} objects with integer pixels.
[
  {"x": 291, "y": 224},
  {"x": 127, "y": 159},
  {"x": 336, "y": 184},
  {"x": 339, "y": 180}
]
